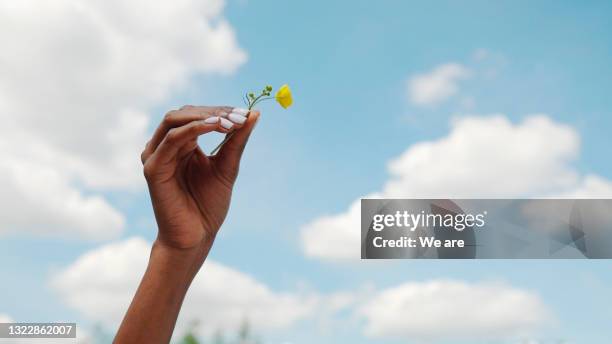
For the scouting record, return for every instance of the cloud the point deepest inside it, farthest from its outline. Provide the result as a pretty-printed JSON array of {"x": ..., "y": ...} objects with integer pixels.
[
  {"x": 481, "y": 54},
  {"x": 332, "y": 236},
  {"x": 437, "y": 310},
  {"x": 5, "y": 318},
  {"x": 481, "y": 157},
  {"x": 78, "y": 82},
  {"x": 489, "y": 156},
  {"x": 591, "y": 186},
  {"x": 219, "y": 297},
  {"x": 36, "y": 198},
  {"x": 437, "y": 85}
]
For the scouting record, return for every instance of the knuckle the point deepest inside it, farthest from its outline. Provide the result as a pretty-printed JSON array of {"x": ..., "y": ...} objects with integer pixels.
[
  {"x": 186, "y": 107},
  {"x": 194, "y": 127},
  {"x": 169, "y": 116},
  {"x": 148, "y": 169},
  {"x": 144, "y": 153},
  {"x": 223, "y": 110}
]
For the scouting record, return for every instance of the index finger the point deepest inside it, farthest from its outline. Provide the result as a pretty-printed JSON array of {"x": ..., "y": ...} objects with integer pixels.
[{"x": 180, "y": 117}]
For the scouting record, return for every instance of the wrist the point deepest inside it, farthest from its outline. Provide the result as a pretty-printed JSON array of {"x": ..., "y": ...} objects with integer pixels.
[{"x": 184, "y": 262}]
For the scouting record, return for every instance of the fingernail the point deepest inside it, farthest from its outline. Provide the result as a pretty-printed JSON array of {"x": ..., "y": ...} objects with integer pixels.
[
  {"x": 211, "y": 120},
  {"x": 240, "y": 111},
  {"x": 236, "y": 118},
  {"x": 226, "y": 124}
]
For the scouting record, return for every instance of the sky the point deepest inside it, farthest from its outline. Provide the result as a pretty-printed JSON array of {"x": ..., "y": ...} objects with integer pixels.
[{"x": 393, "y": 99}]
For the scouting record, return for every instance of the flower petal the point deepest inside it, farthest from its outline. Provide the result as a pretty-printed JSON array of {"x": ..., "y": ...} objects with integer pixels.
[{"x": 283, "y": 96}]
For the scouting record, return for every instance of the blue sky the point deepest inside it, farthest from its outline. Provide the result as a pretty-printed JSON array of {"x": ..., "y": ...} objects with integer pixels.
[{"x": 348, "y": 64}]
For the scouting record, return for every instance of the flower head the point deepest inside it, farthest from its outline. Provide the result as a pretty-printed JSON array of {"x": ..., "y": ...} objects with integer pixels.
[{"x": 283, "y": 96}]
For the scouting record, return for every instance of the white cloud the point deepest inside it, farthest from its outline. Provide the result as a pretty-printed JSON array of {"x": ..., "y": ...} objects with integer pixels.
[
  {"x": 437, "y": 85},
  {"x": 78, "y": 80},
  {"x": 591, "y": 186},
  {"x": 36, "y": 198},
  {"x": 438, "y": 310},
  {"x": 332, "y": 236},
  {"x": 220, "y": 297},
  {"x": 481, "y": 157},
  {"x": 481, "y": 54},
  {"x": 489, "y": 156}
]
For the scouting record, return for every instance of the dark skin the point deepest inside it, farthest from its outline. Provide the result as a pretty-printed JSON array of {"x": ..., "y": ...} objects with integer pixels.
[{"x": 191, "y": 194}]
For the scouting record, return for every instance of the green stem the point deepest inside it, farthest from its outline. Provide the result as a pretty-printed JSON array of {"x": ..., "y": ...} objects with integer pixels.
[{"x": 229, "y": 136}]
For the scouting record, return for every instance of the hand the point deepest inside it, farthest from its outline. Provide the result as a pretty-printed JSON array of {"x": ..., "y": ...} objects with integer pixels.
[
  {"x": 191, "y": 191},
  {"x": 191, "y": 194}
]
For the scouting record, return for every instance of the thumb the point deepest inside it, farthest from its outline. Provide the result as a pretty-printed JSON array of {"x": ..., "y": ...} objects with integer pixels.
[{"x": 231, "y": 152}]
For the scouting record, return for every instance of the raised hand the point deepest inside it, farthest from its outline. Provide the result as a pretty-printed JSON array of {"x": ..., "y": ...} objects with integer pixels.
[{"x": 191, "y": 191}]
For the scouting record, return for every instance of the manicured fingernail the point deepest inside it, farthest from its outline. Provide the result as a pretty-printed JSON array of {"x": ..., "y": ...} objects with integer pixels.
[
  {"x": 226, "y": 124},
  {"x": 211, "y": 120},
  {"x": 236, "y": 118},
  {"x": 240, "y": 111}
]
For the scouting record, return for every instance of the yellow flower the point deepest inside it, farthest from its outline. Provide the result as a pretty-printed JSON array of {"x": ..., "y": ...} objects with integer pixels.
[{"x": 283, "y": 96}]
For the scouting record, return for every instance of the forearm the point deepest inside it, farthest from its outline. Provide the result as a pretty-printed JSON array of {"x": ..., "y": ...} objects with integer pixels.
[{"x": 153, "y": 312}]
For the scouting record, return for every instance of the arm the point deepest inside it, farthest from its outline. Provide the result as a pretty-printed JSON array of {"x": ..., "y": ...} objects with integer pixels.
[{"x": 190, "y": 193}]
